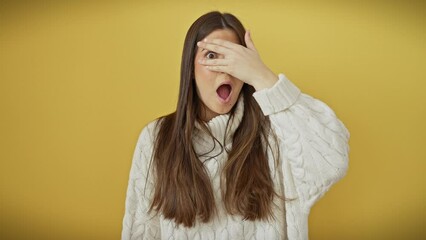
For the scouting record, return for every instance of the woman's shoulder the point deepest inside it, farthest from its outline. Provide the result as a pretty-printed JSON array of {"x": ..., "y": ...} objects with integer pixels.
[{"x": 149, "y": 131}]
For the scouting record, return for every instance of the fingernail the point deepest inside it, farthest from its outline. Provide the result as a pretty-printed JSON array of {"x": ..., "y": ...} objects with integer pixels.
[{"x": 205, "y": 39}]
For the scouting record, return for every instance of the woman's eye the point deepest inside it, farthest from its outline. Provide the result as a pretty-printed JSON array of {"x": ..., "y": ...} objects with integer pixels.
[{"x": 210, "y": 54}]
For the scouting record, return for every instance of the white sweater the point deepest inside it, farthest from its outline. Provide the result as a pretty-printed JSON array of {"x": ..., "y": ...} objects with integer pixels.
[{"x": 314, "y": 152}]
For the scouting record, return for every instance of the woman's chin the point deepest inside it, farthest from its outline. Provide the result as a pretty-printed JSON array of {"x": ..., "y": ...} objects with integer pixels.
[
  {"x": 216, "y": 108},
  {"x": 223, "y": 108}
]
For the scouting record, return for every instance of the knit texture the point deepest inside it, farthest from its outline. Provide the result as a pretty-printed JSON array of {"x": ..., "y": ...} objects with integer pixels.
[{"x": 313, "y": 145}]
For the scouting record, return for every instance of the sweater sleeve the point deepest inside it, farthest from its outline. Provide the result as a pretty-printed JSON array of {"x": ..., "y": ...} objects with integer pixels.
[
  {"x": 312, "y": 139},
  {"x": 137, "y": 222}
]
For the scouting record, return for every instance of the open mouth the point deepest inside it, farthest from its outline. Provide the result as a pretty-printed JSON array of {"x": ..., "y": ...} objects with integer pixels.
[{"x": 224, "y": 91}]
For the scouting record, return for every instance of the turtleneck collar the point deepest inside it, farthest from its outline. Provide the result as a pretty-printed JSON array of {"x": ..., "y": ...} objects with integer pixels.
[{"x": 204, "y": 144}]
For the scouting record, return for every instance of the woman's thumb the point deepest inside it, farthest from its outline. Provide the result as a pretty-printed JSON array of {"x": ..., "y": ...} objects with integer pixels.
[{"x": 249, "y": 41}]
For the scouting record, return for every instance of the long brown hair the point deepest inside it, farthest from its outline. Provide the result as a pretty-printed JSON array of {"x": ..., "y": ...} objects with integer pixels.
[{"x": 183, "y": 190}]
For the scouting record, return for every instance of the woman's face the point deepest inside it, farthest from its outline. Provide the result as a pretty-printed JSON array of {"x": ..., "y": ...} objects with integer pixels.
[{"x": 218, "y": 91}]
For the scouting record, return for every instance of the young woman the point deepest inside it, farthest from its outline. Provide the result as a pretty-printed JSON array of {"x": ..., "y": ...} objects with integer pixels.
[{"x": 245, "y": 155}]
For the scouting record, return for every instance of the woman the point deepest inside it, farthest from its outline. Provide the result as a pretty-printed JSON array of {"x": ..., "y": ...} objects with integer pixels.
[{"x": 244, "y": 156}]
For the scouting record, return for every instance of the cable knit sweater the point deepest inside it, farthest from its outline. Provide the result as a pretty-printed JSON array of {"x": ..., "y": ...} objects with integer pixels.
[{"x": 313, "y": 145}]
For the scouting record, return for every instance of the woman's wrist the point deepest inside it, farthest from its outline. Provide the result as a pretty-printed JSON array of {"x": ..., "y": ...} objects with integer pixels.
[{"x": 266, "y": 81}]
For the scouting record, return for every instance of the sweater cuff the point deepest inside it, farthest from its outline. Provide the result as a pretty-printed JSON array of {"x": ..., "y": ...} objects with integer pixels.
[{"x": 279, "y": 97}]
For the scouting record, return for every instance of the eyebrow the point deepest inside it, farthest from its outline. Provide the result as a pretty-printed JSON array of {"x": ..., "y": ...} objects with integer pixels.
[{"x": 205, "y": 49}]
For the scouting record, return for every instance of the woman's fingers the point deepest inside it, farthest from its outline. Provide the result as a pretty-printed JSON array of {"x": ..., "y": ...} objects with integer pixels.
[
  {"x": 224, "y": 69},
  {"x": 238, "y": 61},
  {"x": 214, "y": 47},
  {"x": 214, "y": 62},
  {"x": 222, "y": 42},
  {"x": 217, "y": 65}
]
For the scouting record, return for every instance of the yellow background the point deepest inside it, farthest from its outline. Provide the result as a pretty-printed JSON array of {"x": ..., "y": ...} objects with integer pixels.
[{"x": 79, "y": 81}]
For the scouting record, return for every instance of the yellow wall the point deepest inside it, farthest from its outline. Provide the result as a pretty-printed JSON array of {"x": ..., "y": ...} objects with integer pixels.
[{"x": 78, "y": 81}]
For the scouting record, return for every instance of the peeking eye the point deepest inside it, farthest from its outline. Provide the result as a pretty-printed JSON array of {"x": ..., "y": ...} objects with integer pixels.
[{"x": 209, "y": 54}]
